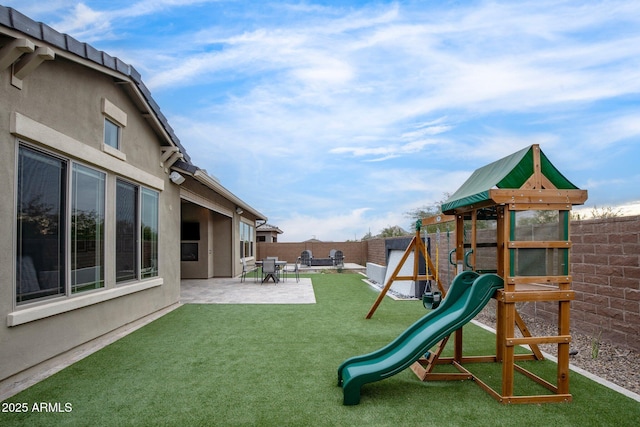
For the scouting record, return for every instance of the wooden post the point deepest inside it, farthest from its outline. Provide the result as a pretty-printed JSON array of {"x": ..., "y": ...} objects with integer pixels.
[
  {"x": 474, "y": 237},
  {"x": 563, "y": 348},
  {"x": 457, "y": 346},
  {"x": 508, "y": 318},
  {"x": 393, "y": 276},
  {"x": 416, "y": 255},
  {"x": 537, "y": 167},
  {"x": 500, "y": 241},
  {"x": 502, "y": 260},
  {"x": 459, "y": 243},
  {"x": 500, "y": 312},
  {"x": 508, "y": 360}
]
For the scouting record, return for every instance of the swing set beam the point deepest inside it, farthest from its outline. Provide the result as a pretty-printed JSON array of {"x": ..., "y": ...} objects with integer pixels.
[{"x": 416, "y": 246}]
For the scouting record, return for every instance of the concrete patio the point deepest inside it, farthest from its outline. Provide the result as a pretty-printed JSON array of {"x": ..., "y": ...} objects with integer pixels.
[{"x": 232, "y": 291}]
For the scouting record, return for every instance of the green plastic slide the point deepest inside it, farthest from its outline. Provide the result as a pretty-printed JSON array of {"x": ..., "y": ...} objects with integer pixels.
[{"x": 468, "y": 294}]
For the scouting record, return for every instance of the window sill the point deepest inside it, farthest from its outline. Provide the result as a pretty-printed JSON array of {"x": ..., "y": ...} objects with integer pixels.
[
  {"x": 114, "y": 152},
  {"x": 27, "y": 315}
]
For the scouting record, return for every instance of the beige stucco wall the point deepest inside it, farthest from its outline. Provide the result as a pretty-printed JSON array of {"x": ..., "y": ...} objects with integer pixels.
[
  {"x": 221, "y": 245},
  {"x": 59, "y": 108},
  {"x": 197, "y": 269}
]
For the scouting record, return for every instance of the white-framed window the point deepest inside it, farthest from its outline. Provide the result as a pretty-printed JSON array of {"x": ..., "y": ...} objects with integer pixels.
[
  {"x": 60, "y": 226},
  {"x": 149, "y": 229},
  {"x": 246, "y": 240},
  {"x": 136, "y": 232},
  {"x": 87, "y": 228},
  {"x": 126, "y": 231},
  {"x": 115, "y": 120},
  {"x": 111, "y": 134}
]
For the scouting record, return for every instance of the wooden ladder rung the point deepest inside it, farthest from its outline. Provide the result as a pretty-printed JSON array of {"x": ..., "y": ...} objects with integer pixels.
[{"x": 423, "y": 367}]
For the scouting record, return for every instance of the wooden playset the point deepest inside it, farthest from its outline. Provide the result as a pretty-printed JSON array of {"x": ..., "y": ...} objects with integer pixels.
[{"x": 512, "y": 218}]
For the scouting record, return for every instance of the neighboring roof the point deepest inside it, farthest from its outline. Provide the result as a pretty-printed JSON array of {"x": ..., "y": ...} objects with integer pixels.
[
  {"x": 269, "y": 228},
  {"x": 511, "y": 172},
  {"x": 66, "y": 44}
]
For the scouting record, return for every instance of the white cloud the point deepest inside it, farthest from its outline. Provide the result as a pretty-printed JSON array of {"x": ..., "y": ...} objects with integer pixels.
[
  {"x": 351, "y": 225},
  {"x": 309, "y": 66},
  {"x": 85, "y": 23},
  {"x": 359, "y": 113},
  {"x": 387, "y": 151},
  {"x": 616, "y": 130},
  {"x": 629, "y": 208}
]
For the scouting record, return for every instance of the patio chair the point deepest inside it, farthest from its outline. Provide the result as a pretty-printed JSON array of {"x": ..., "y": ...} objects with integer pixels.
[
  {"x": 292, "y": 269},
  {"x": 305, "y": 257},
  {"x": 338, "y": 259},
  {"x": 269, "y": 270},
  {"x": 248, "y": 269}
]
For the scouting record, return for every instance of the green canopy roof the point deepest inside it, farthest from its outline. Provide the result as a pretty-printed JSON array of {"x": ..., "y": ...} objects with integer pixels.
[{"x": 510, "y": 172}]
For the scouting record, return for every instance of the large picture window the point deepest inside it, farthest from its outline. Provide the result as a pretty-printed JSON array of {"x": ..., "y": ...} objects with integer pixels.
[
  {"x": 41, "y": 219},
  {"x": 60, "y": 223}
]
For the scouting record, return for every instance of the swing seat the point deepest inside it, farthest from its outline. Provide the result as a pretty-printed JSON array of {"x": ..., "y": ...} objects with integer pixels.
[{"x": 431, "y": 300}]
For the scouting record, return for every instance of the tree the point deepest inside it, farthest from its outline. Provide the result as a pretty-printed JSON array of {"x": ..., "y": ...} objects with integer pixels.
[
  {"x": 428, "y": 211},
  {"x": 605, "y": 212},
  {"x": 597, "y": 213},
  {"x": 394, "y": 231},
  {"x": 367, "y": 236},
  {"x": 539, "y": 217}
]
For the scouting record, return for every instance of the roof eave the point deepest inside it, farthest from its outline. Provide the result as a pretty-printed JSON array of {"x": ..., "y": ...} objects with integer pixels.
[
  {"x": 535, "y": 197},
  {"x": 519, "y": 199},
  {"x": 201, "y": 176}
]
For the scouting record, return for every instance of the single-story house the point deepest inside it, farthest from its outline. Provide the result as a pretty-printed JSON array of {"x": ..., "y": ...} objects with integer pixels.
[
  {"x": 268, "y": 233},
  {"x": 103, "y": 210}
]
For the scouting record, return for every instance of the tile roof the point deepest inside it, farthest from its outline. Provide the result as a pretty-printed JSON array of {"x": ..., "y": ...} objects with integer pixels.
[
  {"x": 269, "y": 227},
  {"x": 15, "y": 20}
]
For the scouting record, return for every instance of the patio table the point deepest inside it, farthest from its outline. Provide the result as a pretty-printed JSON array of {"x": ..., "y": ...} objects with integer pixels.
[{"x": 279, "y": 265}]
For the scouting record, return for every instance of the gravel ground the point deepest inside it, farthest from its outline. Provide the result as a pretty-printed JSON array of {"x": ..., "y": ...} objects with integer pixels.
[{"x": 619, "y": 365}]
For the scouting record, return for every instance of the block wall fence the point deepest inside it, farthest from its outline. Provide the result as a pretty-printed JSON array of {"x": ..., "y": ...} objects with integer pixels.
[
  {"x": 355, "y": 252},
  {"x": 605, "y": 265}
]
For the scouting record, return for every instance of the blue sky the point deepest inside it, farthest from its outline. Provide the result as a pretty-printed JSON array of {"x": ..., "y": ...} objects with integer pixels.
[{"x": 335, "y": 118}]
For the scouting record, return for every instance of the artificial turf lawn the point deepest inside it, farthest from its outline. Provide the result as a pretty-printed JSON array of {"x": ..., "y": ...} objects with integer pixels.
[{"x": 277, "y": 365}]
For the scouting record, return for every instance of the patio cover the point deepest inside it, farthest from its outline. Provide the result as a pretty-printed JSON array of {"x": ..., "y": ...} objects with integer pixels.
[{"x": 511, "y": 172}]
